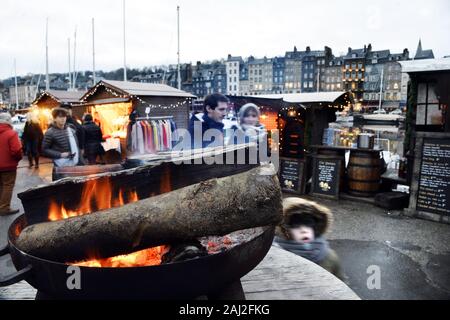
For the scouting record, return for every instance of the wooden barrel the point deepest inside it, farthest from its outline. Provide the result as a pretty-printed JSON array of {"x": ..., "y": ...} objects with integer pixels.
[{"x": 364, "y": 173}]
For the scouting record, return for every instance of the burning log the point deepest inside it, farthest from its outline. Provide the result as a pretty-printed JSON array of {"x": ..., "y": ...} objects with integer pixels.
[{"x": 213, "y": 207}]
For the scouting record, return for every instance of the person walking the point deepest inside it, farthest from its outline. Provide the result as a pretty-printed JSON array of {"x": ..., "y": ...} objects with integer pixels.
[
  {"x": 60, "y": 141},
  {"x": 207, "y": 130},
  {"x": 92, "y": 139},
  {"x": 79, "y": 131},
  {"x": 32, "y": 139},
  {"x": 10, "y": 155}
]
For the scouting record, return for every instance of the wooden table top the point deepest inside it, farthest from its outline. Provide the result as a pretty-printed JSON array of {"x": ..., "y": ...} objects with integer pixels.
[{"x": 283, "y": 275}]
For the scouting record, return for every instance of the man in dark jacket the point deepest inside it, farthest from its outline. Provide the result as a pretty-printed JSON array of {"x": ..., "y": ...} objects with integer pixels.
[
  {"x": 60, "y": 141},
  {"x": 214, "y": 111},
  {"x": 93, "y": 138},
  {"x": 71, "y": 121},
  {"x": 10, "y": 155}
]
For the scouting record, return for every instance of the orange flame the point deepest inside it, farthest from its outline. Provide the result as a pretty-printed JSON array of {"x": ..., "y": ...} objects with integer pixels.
[
  {"x": 96, "y": 195},
  {"x": 147, "y": 257}
]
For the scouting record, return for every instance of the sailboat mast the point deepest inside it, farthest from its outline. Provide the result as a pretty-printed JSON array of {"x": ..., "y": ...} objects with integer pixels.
[
  {"x": 70, "y": 63},
  {"x": 124, "y": 45},
  {"x": 15, "y": 82},
  {"x": 93, "y": 53},
  {"x": 74, "y": 59},
  {"x": 178, "y": 53},
  {"x": 47, "y": 77}
]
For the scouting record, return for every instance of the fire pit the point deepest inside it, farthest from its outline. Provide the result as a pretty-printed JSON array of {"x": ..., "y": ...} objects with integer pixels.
[
  {"x": 209, "y": 275},
  {"x": 145, "y": 272}
]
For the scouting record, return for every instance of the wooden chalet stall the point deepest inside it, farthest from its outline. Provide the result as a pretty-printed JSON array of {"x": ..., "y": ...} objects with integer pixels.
[
  {"x": 117, "y": 105},
  {"x": 300, "y": 120},
  {"x": 50, "y": 99},
  {"x": 427, "y": 139}
]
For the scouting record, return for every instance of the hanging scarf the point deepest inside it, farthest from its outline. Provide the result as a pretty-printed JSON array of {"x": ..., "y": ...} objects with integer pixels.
[
  {"x": 66, "y": 162},
  {"x": 314, "y": 251}
]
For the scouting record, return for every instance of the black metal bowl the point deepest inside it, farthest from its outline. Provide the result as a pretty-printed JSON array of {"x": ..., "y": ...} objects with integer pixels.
[{"x": 179, "y": 280}]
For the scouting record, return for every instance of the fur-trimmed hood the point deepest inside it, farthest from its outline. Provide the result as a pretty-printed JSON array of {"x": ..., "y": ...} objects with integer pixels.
[{"x": 321, "y": 215}]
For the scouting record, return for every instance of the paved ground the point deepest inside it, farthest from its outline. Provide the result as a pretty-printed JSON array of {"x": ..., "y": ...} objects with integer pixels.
[{"x": 413, "y": 255}]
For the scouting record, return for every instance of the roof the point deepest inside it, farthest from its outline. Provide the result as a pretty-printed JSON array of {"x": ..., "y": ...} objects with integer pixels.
[
  {"x": 62, "y": 96},
  {"x": 141, "y": 89},
  {"x": 309, "y": 97},
  {"x": 360, "y": 53},
  {"x": 423, "y": 54},
  {"x": 426, "y": 65}
]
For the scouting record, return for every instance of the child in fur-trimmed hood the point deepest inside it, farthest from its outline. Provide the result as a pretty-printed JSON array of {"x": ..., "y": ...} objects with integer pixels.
[{"x": 302, "y": 232}]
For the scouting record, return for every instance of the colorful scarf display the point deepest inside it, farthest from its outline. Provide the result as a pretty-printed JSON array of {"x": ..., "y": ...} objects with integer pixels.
[{"x": 151, "y": 136}]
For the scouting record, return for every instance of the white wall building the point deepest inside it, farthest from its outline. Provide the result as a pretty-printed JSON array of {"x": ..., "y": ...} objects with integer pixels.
[{"x": 233, "y": 65}]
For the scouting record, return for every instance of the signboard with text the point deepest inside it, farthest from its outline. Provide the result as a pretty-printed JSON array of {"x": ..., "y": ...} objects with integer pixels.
[
  {"x": 292, "y": 175},
  {"x": 434, "y": 182},
  {"x": 326, "y": 176}
]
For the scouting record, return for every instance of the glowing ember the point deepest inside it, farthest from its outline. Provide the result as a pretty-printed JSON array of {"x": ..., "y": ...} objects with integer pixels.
[
  {"x": 147, "y": 257},
  {"x": 96, "y": 195}
]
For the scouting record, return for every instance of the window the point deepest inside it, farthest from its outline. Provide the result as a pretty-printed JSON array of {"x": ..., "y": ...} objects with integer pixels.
[{"x": 429, "y": 111}]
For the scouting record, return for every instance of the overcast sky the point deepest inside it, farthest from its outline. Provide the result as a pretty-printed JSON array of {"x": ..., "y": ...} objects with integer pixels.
[{"x": 210, "y": 29}]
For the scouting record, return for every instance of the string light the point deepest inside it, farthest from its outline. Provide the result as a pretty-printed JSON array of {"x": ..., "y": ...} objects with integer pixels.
[{"x": 124, "y": 96}]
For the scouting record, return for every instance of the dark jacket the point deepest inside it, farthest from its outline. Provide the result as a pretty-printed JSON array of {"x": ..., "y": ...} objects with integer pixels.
[
  {"x": 322, "y": 218},
  {"x": 11, "y": 148},
  {"x": 32, "y": 132},
  {"x": 92, "y": 138},
  {"x": 78, "y": 129},
  {"x": 56, "y": 141},
  {"x": 206, "y": 124}
]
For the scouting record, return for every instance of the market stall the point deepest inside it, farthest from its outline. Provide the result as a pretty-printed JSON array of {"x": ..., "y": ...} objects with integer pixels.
[
  {"x": 136, "y": 118},
  {"x": 300, "y": 120},
  {"x": 427, "y": 140},
  {"x": 50, "y": 99}
]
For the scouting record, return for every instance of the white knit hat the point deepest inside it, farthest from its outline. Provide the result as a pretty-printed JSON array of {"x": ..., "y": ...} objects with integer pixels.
[{"x": 5, "y": 118}]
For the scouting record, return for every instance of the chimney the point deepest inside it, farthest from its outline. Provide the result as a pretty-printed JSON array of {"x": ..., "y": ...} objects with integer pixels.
[
  {"x": 369, "y": 48},
  {"x": 308, "y": 49},
  {"x": 295, "y": 48},
  {"x": 349, "y": 49}
]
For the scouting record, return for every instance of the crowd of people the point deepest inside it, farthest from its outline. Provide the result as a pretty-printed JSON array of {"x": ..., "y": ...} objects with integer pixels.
[
  {"x": 69, "y": 143},
  {"x": 66, "y": 142}
]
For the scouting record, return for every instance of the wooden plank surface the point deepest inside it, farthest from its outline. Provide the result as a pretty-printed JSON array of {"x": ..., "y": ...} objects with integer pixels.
[
  {"x": 283, "y": 275},
  {"x": 280, "y": 276}
]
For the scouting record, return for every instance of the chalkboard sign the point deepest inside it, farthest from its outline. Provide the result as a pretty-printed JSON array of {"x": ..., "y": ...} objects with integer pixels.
[
  {"x": 326, "y": 176},
  {"x": 291, "y": 175},
  {"x": 434, "y": 182}
]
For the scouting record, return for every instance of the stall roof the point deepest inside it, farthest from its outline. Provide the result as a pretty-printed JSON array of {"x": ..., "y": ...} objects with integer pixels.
[
  {"x": 426, "y": 65},
  {"x": 62, "y": 96},
  {"x": 142, "y": 89},
  {"x": 309, "y": 97}
]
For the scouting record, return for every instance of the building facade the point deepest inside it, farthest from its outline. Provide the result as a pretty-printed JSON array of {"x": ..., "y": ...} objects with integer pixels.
[
  {"x": 293, "y": 71},
  {"x": 233, "y": 74},
  {"x": 25, "y": 95},
  {"x": 354, "y": 70},
  {"x": 332, "y": 75},
  {"x": 260, "y": 76}
]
